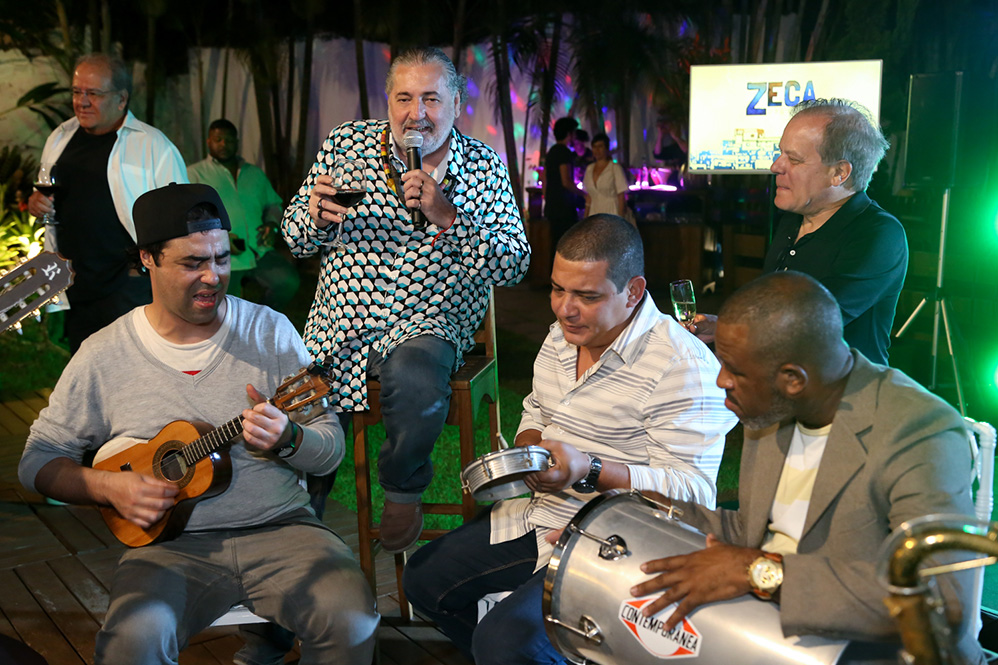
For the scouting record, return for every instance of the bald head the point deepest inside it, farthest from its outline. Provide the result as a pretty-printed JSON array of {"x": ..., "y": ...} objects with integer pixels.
[{"x": 791, "y": 318}]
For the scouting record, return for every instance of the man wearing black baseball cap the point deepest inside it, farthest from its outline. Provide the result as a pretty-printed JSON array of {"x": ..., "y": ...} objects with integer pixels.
[
  {"x": 185, "y": 293},
  {"x": 195, "y": 354}
]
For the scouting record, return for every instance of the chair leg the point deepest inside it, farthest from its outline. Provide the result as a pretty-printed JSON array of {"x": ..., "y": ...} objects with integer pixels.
[
  {"x": 405, "y": 609},
  {"x": 362, "y": 470},
  {"x": 466, "y": 427}
]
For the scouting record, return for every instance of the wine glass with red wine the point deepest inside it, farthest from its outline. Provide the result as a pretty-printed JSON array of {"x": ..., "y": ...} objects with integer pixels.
[
  {"x": 47, "y": 185},
  {"x": 348, "y": 179}
]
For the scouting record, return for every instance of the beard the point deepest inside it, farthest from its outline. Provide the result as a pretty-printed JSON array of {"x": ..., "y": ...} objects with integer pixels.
[
  {"x": 434, "y": 138},
  {"x": 780, "y": 409}
]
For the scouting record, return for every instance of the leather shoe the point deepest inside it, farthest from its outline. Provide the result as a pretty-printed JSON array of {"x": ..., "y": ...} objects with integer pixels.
[{"x": 401, "y": 524}]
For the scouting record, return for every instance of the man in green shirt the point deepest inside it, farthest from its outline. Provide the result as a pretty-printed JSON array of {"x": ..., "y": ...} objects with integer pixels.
[{"x": 255, "y": 210}]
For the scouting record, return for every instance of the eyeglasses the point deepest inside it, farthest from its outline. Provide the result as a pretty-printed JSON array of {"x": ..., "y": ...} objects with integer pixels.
[{"x": 91, "y": 93}]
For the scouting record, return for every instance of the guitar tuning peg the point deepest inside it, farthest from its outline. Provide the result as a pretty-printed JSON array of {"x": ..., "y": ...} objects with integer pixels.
[
  {"x": 316, "y": 368},
  {"x": 38, "y": 316},
  {"x": 17, "y": 327}
]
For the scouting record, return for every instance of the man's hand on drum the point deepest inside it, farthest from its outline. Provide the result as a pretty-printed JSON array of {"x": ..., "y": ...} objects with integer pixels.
[
  {"x": 719, "y": 572},
  {"x": 570, "y": 465}
]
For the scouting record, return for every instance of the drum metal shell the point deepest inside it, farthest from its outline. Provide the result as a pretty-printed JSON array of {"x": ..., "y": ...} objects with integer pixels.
[
  {"x": 499, "y": 475},
  {"x": 585, "y": 592}
]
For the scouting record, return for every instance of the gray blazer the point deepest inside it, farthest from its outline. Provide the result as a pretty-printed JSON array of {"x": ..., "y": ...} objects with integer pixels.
[{"x": 895, "y": 452}]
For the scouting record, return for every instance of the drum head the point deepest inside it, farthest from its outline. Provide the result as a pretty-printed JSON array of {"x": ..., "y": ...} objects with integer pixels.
[{"x": 500, "y": 474}]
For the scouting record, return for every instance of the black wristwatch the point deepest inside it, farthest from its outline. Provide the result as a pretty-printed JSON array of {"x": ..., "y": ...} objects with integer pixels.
[
  {"x": 287, "y": 451},
  {"x": 588, "y": 484}
]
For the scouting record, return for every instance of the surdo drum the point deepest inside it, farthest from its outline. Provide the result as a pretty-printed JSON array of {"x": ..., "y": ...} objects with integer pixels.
[
  {"x": 591, "y": 617},
  {"x": 499, "y": 475}
]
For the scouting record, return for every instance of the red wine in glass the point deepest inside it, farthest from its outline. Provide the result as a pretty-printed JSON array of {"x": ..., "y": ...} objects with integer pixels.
[
  {"x": 46, "y": 183},
  {"x": 348, "y": 179},
  {"x": 349, "y": 198},
  {"x": 47, "y": 189}
]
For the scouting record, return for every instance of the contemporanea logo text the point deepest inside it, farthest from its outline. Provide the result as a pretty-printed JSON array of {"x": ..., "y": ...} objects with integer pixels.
[{"x": 683, "y": 641}]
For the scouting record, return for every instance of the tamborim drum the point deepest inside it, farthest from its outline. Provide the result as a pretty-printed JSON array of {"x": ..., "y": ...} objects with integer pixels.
[
  {"x": 499, "y": 475},
  {"x": 591, "y": 617}
]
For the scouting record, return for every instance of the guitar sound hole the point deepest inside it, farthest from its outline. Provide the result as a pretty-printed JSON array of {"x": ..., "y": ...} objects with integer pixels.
[{"x": 174, "y": 467}]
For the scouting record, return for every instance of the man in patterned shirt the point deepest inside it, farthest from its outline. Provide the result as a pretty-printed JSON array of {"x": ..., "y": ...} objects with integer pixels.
[
  {"x": 401, "y": 304},
  {"x": 623, "y": 397}
]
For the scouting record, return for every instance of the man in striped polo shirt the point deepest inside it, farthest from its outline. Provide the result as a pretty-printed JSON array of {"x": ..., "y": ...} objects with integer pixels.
[{"x": 623, "y": 397}]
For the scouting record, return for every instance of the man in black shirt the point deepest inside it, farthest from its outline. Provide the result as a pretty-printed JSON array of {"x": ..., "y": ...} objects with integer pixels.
[
  {"x": 561, "y": 197},
  {"x": 100, "y": 172},
  {"x": 834, "y": 232}
]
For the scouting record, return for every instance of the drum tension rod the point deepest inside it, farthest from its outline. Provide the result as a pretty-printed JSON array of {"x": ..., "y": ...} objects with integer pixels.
[
  {"x": 671, "y": 511},
  {"x": 588, "y": 629},
  {"x": 611, "y": 548}
]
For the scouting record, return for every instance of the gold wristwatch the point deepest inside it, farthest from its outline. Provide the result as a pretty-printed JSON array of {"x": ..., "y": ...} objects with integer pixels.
[{"x": 765, "y": 575}]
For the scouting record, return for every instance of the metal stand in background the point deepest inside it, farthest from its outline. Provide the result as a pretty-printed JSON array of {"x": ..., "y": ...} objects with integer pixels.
[{"x": 941, "y": 307}]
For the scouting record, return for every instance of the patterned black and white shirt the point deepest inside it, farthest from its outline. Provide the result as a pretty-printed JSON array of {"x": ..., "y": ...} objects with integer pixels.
[{"x": 394, "y": 283}]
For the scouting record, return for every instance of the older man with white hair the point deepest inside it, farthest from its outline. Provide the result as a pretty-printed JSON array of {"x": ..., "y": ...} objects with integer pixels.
[
  {"x": 402, "y": 300},
  {"x": 103, "y": 159},
  {"x": 832, "y": 230}
]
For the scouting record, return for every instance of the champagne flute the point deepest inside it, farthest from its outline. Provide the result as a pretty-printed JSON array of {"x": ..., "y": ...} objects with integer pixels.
[
  {"x": 348, "y": 180},
  {"x": 684, "y": 304},
  {"x": 46, "y": 184}
]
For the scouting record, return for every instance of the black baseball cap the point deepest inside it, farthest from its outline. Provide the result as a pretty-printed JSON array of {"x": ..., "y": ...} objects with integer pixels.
[{"x": 161, "y": 214}]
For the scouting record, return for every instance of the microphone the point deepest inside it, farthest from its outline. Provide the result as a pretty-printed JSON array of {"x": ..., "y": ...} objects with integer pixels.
[{"x": 413, "y": 141}]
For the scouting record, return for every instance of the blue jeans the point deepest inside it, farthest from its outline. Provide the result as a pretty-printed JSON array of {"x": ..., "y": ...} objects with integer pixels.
[
  {"x": 415, "y": 399},
  {"x": 445, "y": 578}
]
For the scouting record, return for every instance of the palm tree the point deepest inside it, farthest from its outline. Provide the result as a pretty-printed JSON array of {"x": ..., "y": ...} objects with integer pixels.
[
  {"x": 520, "y": 39},
  {"x": 600, "y": 42},
  {"x": 307, "y": 10},
  {"x": 535, "y": 49},
  {"x": 153, "y": 11},
  {"x": 358, "y": 41},
  {"x": 500, "y": 59},
  {"x": 551, "y": 76}
]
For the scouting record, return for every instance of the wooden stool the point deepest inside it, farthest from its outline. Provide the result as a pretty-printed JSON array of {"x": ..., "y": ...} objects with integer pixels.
[{"x": 477, "y": 380}]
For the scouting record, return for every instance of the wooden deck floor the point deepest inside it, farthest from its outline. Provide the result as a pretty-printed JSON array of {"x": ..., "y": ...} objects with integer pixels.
[{"x": 56, "y": 564}]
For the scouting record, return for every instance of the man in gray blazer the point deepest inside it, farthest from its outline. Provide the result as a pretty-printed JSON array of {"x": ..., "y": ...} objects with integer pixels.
[{"x": 838, "y": 452}]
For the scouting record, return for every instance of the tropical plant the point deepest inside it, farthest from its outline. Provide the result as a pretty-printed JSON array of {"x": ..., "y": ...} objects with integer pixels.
[
  {"x": 16, "y": 174},
  {"x": 535, "y": 49},
  {"x": 671, "y": 88},
  {"x": 49, "y": 100},
  {"x": 601, "y": 41},
  {"x": 20, "y": 237},
  {"x": 518, "y": 40}
]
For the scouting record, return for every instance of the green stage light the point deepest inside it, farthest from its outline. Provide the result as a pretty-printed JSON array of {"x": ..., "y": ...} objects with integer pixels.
[{"x": 990, "y": 392}]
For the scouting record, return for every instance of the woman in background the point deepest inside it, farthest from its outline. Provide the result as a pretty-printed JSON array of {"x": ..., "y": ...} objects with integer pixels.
[{"x": 605, "y": 182}]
